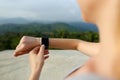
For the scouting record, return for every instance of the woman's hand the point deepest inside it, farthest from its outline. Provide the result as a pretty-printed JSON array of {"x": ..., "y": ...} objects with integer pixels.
[
  {"x": 37, "y": 57},
  {"x": 26, "y": 44}
]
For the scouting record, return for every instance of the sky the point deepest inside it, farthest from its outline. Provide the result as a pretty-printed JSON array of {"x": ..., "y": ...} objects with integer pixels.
[{"x": 44, "y": 10}]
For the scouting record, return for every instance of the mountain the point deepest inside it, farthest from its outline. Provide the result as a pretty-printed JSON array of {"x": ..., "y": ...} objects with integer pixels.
[
  {"x": 42, "y": 27},
  {"x": 84, "y": 26},
  {"x": 14, "y": 20},
  {"x": 21, "y": 24},
  {"x": 20, "y": 20},
  {"x": 36, "y": 27}
]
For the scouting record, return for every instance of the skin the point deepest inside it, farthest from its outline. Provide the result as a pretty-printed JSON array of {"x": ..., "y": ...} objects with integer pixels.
[
  {"x": 37, "y": 56},
  {"x": 106, "y": 15},
  {"x": 27, "y": 43}
]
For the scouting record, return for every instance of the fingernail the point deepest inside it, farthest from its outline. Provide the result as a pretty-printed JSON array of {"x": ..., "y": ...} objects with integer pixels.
[{"x": 43, "y": 45}]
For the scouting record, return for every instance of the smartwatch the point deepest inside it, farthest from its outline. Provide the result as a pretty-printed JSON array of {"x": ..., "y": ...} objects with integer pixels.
[{"x": 45, "y": 41}]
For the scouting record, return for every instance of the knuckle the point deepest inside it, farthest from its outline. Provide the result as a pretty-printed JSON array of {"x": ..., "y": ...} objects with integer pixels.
[
  {"x": 23, "y": 45},
  {"x": 24, "y": 38}
]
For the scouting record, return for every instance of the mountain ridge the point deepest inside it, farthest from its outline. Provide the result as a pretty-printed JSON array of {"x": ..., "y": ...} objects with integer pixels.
[{"x": 12, "y": 24}]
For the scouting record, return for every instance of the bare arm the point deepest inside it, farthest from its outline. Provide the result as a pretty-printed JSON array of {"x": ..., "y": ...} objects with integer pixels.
[
  {"x": 63, "y": 43},
  {"x": 27, "y": 43},
  {"x": 88, "y": 48}
]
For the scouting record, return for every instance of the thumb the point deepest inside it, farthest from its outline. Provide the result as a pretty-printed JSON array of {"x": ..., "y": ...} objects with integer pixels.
[{"x": 41, "y": 51}]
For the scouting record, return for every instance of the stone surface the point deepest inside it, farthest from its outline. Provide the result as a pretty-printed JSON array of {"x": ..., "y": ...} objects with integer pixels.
[{"x": 59, "y": 64}]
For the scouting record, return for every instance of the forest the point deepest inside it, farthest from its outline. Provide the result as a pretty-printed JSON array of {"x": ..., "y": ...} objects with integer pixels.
[{"x": 10, "y": 34}]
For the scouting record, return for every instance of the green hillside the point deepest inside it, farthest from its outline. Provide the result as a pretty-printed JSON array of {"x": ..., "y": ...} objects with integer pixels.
[
  {"x": 10, "y": 34},
  {"x": 36, "y": 27}
]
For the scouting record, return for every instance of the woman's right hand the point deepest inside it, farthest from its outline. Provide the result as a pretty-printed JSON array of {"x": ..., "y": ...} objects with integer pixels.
[
  {"x": 26, "y": 44},
  {"x": 37, "y": 57}
]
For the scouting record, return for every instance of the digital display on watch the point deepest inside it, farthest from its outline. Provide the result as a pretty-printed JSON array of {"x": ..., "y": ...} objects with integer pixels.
[{"x": 45, "y": 41}]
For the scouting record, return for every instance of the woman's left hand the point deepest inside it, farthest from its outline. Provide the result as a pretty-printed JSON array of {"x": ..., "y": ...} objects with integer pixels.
[{"x": 37, "y": 57}]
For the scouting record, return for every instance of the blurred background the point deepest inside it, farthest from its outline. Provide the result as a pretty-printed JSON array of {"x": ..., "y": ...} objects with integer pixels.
[{"x": 56, "y": 18}]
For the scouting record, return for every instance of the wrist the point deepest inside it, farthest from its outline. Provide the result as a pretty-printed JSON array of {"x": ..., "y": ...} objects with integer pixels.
[
  {"x": 38, "y": 41},
  {"x": 37, "y": 69}
]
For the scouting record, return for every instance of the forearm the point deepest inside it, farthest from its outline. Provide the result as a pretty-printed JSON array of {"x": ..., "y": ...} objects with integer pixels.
[
  {"x": 88, "y": 48},
  {"x": 63, "y": 43},
  {"x": 35, "y": 75}
]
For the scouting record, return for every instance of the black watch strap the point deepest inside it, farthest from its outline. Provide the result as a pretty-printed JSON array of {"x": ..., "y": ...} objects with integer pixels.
[{"x": 45, "y": 41}]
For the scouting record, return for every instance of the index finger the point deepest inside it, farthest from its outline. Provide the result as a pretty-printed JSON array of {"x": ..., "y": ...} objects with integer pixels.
[{"x": 41, "y": 51}]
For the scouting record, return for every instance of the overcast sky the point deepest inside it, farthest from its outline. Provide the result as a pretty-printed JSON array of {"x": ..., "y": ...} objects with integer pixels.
[{"x": 50, "y": 10}]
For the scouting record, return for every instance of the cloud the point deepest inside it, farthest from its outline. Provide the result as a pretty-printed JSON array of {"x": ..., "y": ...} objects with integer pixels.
[{"x": 57, "y": 10}]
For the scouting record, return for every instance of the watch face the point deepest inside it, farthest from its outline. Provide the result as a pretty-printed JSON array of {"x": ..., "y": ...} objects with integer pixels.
[
  {"x": 45, "y": 41},
  {"x": 46, "y": 47}
]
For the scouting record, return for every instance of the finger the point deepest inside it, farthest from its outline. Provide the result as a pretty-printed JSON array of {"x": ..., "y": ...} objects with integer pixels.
[
  {"x": 18, "y": 54},
  {"x": 41, "y": 51},
  {"x": 18, "y": 46},
  {"x": 46, "y": 52},
  {"x": 35, "y": 50},
  {"x": 19, "y": 50},
  {"x": 33, "y": 53},
  {"x": 21, "y": 53},
  {"x": 46, "y": 57}
]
